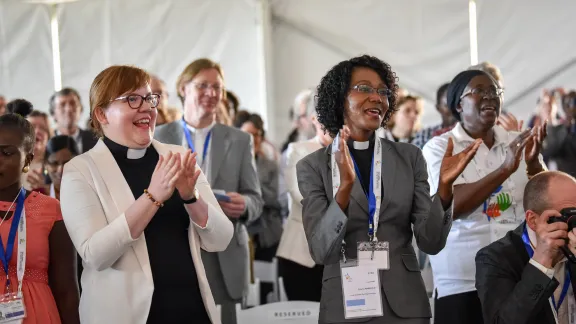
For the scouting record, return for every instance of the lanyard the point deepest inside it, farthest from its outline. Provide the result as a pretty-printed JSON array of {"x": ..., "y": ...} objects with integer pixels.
[
  {"x": 564, "y": 292},
  {"x": 18, "y": 224},
  {"x": 191, "y": 142},
  {"x": 369, "y": 195},
  {"x": 374, "y": 194}
]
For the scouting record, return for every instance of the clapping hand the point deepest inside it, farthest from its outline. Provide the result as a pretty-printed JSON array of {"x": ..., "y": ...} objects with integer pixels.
[
  {"x": 164, "y": 178},
  {"x": 186, "y": 182},
  {"x": 344, "y": 160},
  {"x": 36, "y": 180},
  {"x": 510, "y": 123},
  {"x": 453, "y": 165},
  {"x": 534, "y": 145},
  {"x": 514, "y": 151}
]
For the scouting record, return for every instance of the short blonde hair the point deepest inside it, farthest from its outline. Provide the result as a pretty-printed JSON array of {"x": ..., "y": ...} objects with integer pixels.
[
  {"x": 401, "y": 101},
  {"x": 192, "y": 70},
  {"x": 112, "y": 83}
]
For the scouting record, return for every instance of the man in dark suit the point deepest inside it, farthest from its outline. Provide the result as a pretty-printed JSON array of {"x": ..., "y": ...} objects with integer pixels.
[
  {"x": 66, "y": 109},
  {"x": 524, "y": 277}
]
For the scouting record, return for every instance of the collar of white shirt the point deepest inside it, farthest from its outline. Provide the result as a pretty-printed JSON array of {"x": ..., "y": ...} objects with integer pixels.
[
  {"x": 501, "y": 136},
  {"x": 201, "y": 131}
]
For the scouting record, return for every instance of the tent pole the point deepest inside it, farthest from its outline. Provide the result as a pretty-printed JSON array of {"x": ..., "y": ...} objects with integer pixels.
[
  {"x": 473, "y": 23},
  {"x": 264, "y": 38},
  {"x": 55, "y": 37}
]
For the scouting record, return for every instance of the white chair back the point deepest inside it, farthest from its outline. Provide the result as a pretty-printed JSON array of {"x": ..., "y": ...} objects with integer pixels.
[
  {"x": 268, "y": 272},
  {"x": 300, "y": 312},
  {"x": 252, "y": 297},
  {"x": 282, "y": 290}
]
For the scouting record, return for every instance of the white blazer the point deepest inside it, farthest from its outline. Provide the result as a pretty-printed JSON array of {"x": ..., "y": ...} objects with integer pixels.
[
  {"x": 117, "y": 281},
  {"x": 293, "y": 243}
]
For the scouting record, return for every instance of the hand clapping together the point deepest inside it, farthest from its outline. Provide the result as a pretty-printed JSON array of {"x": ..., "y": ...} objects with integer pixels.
[{"x": 174, "y": 171}]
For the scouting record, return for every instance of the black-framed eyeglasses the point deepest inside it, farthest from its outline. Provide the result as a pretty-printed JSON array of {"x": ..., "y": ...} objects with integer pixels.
[
  {"x": 135, "y": 101},
  {"x": 206, "y": 86},
  {"x": 366, "y": 89},
  {"x": 489, "y": 94}
]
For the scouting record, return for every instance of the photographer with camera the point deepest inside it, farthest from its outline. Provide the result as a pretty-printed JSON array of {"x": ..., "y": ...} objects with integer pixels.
[{"x": 528, "y": 276}]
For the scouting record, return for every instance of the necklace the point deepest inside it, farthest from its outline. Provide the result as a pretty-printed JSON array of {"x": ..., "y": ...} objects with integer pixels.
[{"x": 13, "y": 202}]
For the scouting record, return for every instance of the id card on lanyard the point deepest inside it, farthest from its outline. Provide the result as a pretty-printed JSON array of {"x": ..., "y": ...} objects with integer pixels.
[
  {"x": 555, "y": 305},
  {"x": 11, "y": 302},
  {"x": 190, "y": 142},
  {"x": 365, "y": 267}
]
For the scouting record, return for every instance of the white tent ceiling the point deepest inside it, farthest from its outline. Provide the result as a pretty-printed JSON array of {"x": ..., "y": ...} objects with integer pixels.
[{"x": 426, "y": 42}]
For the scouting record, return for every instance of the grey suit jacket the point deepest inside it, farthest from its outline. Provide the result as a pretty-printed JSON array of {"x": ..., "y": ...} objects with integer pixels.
[
  {"x": 406, "y": 203},
  {"x": 232, "y": 169},
  {"x": 269, "y": 226}
]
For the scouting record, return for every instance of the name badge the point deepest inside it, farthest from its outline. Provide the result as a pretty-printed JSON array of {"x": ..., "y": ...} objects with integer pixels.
[
  {"x": 11, "y": 309},
  {"x": 374, "y": 254},
  {"x": 361, "y": 291}
]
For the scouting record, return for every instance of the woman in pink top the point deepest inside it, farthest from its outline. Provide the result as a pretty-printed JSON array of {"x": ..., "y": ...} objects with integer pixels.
[{"x": 39, "y": 238}]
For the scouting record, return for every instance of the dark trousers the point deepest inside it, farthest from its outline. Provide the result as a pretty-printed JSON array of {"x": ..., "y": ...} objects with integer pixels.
[
  {"x": 462, "y": 308},
  {"x": 301, "y": 283}
]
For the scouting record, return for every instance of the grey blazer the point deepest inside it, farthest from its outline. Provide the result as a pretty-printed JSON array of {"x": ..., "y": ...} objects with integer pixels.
[
  {"x": 269, "y": 225},
  {"x": 232, "y": 168},
  {"x": 406, "y": 204}
]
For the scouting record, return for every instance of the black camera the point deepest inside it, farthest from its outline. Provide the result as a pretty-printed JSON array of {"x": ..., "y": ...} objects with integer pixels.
[{"x": 568, "y": 216}]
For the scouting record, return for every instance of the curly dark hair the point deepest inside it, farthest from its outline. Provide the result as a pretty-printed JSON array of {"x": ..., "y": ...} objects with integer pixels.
[{"x": 335, "y": 85}]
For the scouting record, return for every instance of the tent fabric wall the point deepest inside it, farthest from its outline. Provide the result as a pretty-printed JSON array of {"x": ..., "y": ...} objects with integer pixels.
[
  {"x": 162, "y": 37},
  {"x": 426, "y": 43},
  {"x": 26, "y": 53},
  {"x": 528, "y": 40}
]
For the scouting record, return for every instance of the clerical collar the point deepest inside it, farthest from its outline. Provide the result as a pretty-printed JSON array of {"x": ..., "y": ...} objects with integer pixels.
[
  {"x": 123, "y": 151},
  {"x": 361, "y": 146},
  {"x": 201, "y": 130}
]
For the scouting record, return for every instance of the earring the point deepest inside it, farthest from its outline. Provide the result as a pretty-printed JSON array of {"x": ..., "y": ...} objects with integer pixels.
[{"x": 26, "y": 169}]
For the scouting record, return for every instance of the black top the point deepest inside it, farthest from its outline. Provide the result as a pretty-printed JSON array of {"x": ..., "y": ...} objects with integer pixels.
[
  {"x": 176, "y": 297},
  {"x": 363, "y": 159}
]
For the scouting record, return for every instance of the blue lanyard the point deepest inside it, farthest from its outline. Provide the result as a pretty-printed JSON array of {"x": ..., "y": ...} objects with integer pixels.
[
  {"x": 369, "y": 195},
  {"x": 564, "y": 292},
  {"x": 6, "y": 256},
  {"x": 191, "y": 142}
]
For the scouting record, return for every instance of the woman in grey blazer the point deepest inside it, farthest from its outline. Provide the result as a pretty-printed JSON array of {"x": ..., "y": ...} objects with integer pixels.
[{"x": 355, "y": 99}]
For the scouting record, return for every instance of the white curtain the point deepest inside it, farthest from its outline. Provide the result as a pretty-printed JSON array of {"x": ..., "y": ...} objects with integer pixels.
[
  {"x": 26, "y": 53},
  {"x": 426, "y": 42},
  {"x": 162, "y": 37}
]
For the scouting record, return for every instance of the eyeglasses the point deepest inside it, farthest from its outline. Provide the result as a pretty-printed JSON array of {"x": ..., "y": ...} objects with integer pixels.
[
  {"x": 206, "y": 86},
  {"x": 135, "y": 101},
  {"x": 366, "y": 89},
  {"x": 489, "y": 94}
]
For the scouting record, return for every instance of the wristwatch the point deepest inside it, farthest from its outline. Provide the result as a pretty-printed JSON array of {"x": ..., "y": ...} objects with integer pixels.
[{"x": 193, "y": 199}]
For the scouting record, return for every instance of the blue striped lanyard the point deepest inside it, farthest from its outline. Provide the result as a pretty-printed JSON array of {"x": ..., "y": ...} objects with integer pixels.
[
  {"x": 369, "y": 195},
  {"x": 191, "y": 142},
  {"x": 6, "y": 255}
]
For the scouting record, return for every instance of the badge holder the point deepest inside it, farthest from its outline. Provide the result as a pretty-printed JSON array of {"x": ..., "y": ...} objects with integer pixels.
[
  {"x": 361, "y": 292},
  {"x": 374, "y": 253},
  {"x": 11, "y": 306}
]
